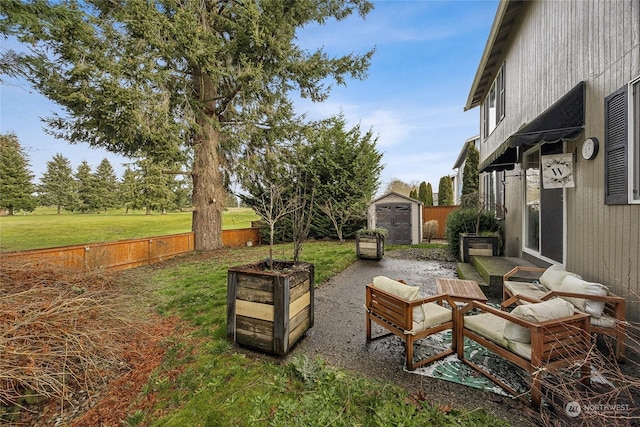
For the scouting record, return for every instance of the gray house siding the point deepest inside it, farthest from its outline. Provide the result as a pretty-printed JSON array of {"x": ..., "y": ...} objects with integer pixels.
[{"x": 553, "y": 46}]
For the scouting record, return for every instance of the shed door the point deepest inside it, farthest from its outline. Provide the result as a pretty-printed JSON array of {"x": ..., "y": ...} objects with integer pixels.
[{"x": 395, "y": 217}]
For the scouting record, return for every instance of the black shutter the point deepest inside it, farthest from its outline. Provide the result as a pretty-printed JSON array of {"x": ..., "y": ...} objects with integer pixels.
[{"x": 616, "y": 141}]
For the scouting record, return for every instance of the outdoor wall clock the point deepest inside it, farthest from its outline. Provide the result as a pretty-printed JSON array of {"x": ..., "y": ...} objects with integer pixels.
[{"x": 590, "y": 148}]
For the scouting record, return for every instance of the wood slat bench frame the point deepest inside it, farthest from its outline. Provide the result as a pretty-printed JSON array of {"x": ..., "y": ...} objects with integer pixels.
[
  {"x": 396, "y": 315},
  {"x": 555, "y": 344},
  {"x": 614, "y": 307}
]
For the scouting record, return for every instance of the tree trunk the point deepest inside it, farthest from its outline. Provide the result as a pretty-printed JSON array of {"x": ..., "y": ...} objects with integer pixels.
[{"x": 208, "y": 179}]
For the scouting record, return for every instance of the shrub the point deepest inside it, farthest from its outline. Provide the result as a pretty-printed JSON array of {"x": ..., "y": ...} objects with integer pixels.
[
  {"x": 430, "y": 230},
  {"x": 464, "y": 221}
]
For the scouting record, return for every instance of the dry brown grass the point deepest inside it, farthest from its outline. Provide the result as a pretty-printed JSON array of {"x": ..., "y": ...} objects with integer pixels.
[
  {"x": 61, "y": 332},
  {"x": 611, "y": 399}
]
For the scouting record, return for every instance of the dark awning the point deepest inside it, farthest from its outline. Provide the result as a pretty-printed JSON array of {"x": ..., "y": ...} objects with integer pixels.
[{"x": 564, "y": 120}]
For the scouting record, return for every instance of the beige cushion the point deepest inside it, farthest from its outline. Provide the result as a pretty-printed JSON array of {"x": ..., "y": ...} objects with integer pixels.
[
  {"x": 603, "y": 321},
  {"x": 399, "y": 289},
  {"x": 556, "y": 308},
  {"x": 492, "y": 327},
  {"x": 434, "y": 315},
  {"x": 396, "y": 288},
  {"x": 525, "y": 288},
  {"x": 579, "y": 286},
  {"x": 553, "y": 276}
]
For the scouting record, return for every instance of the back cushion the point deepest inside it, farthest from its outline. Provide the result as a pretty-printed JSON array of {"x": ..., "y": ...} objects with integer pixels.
[
  {"x": 536, "y": 313},
  {"x": 579, "y": 286},
  {"x": 553, "y": 276},
  {"x": 403, "y": 291}
]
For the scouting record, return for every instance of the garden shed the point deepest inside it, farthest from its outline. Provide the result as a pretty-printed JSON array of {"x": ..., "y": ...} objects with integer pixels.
[{"x": 400, "y": 215}]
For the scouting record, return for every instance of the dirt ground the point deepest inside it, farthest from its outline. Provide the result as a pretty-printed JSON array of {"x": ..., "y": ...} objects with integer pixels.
[{"x": 338, "y": 336}]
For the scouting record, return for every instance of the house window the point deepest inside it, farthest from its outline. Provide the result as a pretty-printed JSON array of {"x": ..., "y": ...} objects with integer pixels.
[
  {"x": 493, "y": 193},
  {"x": 622, "y": 145},
  {"x": 494, "y": 104}
]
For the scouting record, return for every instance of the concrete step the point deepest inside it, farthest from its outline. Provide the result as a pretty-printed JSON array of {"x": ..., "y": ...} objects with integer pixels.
[
  {"x": 466, "y": 271},
  {"x": 488, "y": 272}
]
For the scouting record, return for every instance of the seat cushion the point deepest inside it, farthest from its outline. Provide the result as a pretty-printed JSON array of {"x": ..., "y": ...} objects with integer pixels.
[
  {"x": 434, "y": 315},
  {"x": 553, "y": 276},
  {"x": 603, "y": 321},
  {"x": 492, "y": 327},
  {"x": 556, "y": 308},
  {"x": 579, "y": 286},
  {"x": 526, "y": 289}
]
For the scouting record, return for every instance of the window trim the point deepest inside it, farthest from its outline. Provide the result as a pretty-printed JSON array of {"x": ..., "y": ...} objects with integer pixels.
[{"x": 498, "y": 88}]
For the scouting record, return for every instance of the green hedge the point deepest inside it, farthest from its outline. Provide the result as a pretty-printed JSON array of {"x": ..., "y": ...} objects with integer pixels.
[{"x": 464, "y": 221}]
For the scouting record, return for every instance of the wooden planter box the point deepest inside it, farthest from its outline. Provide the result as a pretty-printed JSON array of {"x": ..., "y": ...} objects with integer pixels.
[
  {"x": 269, "y": 310},
  {"x": 369, "y": 246},
  {"x": 472, "y": 244}
]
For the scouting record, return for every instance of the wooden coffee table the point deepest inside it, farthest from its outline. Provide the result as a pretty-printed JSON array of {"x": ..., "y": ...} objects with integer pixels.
[{"x": 460, "y": 290}]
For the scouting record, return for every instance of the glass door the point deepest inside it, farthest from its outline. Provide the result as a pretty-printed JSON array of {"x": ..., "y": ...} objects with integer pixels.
[{"x": 544, "y": 209}]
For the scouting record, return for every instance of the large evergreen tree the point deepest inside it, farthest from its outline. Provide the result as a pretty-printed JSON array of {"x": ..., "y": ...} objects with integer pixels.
[
  {"x": 470, "y": 176},
  {"x": 429, "y": 201},
  {"x": 129, "y": 192},
  {"x": 162, "y": 79},
  {"x": 57, "y": 186},
  {"x": 16, "y": 189},
  {"x": 445, "y": 191},
  {"x": 422, "y": 193},
  {"x": 346, "y": 167},
  {"x": 87, "y": 194},
  {"x": 106, "y": 186},
  {"x": 153, "y": 186}
]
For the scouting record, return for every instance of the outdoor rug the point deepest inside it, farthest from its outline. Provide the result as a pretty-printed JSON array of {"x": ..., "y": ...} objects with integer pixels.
[{"x": 452, "y": 369}]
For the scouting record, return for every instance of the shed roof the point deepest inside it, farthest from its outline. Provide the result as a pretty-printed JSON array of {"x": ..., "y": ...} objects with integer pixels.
[{"x": 393, "y": 193}]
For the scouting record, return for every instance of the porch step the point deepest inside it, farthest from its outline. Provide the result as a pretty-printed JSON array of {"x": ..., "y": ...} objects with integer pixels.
[{"x": 488, "y": 272}]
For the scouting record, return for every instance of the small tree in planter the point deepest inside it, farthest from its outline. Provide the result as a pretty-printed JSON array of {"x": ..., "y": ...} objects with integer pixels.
[
  {"x": 270, "y": 303},
  {"x": 370, "y": 243}
]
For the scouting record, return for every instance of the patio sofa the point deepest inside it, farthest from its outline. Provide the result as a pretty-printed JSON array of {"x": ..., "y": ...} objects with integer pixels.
[
  {"x": 537, "y": 337},
  {"x": 398, "y": 308},
  {"x": 606, "y": 310}
]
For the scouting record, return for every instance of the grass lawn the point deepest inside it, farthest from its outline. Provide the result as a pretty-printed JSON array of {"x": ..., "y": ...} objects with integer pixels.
[
  {"x": 217, "y": 386},
  {"x": 44, "y": 228}
]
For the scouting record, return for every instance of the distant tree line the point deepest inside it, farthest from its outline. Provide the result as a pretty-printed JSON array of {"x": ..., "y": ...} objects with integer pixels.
[
  {"x": 143, "y": 185},
  {"x": 424, "y": 192}
]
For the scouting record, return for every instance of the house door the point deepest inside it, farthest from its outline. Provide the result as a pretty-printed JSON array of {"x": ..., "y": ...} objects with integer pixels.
[
  {"x": 544, "y": 209},
  {"x": 396, "y": 218}
]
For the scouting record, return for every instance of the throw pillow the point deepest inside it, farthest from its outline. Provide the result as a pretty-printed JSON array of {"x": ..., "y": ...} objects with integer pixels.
[
  {"x": 536, "y": 313},
  {"x": 403, "y": 291},
  {"x": 579, "y": 286},
  {"x": 553, "y": 276}
]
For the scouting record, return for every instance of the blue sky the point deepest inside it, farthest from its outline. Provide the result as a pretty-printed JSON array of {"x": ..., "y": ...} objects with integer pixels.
[{"x": 427, "y": 53}]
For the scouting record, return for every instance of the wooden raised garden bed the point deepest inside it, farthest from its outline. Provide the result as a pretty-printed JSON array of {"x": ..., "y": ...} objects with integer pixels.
[{"x": 270, "y": 310}]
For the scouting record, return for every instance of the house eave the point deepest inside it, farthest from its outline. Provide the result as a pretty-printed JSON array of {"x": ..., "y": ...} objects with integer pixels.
[{"x": 506, "y": 17}]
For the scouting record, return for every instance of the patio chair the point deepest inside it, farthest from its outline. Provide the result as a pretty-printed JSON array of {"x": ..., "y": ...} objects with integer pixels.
[
  {"x": 538, "y": 338},
  {"x": 397, "y": 307}
]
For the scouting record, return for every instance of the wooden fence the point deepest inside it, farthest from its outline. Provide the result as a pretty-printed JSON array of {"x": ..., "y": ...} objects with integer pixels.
[
  {"x": 123, "y": 254},
  {"x": 440, "y": 214}
]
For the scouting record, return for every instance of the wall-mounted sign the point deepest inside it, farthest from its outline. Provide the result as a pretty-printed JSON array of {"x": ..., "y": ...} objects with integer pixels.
[{"x": 557, "y": 171}]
